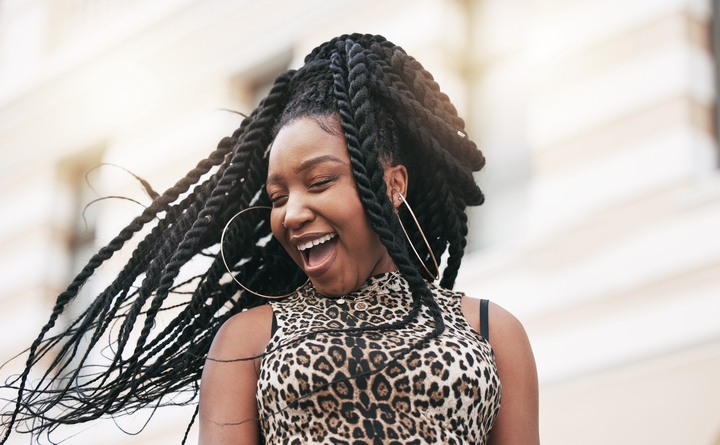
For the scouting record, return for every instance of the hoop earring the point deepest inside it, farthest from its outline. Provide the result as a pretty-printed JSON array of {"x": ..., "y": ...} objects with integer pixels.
[
  {"x": 222, "y": 255},
  {"x": 432, "y": 255}
]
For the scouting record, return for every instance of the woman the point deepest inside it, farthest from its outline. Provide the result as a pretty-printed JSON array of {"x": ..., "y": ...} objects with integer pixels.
[{"x": 369, "y": 349}]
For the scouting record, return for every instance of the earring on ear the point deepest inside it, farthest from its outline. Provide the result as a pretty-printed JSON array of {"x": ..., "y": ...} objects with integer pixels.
[
  {"x": 222, "y": 255},
  {"x": 432, "y": 255}
]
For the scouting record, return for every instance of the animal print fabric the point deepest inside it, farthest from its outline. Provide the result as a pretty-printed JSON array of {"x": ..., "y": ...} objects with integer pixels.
[{"x": 366, "y": 387}]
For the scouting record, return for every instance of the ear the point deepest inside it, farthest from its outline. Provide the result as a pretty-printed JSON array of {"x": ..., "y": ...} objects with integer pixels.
[{"x": 396, "y": 180}]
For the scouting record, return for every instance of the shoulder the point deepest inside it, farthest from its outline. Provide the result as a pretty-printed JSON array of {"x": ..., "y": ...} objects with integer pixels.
[
  {"x": 517, "y": 421},
  {"x": 228, "y": 407},
  {"x": 507, "y": 336},
  {"x": 247, "y": 332},
  {"x": 505, "y": 329},
  {"x": 508, "y": 339}
]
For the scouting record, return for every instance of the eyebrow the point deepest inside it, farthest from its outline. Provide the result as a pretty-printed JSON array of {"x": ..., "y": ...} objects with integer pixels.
[{"x": 305, "y": 165}]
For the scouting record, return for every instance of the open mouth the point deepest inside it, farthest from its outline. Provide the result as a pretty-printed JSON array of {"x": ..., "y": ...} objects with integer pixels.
[{"x": 316, "y": 251}]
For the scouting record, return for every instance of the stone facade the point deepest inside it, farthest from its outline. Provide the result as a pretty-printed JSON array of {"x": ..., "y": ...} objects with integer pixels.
[{"x": 603, "y": 192}]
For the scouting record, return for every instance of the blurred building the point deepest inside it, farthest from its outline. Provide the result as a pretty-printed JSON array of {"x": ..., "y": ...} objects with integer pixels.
[{"x": 601, "y": 227}]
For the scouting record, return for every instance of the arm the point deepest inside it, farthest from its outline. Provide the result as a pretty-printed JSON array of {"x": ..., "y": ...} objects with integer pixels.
[
  {"x": 517, "y": 421},
  {"x": 228, "y": 409}
]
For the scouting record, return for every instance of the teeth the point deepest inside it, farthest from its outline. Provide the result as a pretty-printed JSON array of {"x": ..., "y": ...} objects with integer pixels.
[{"x": 320, "y": 240}]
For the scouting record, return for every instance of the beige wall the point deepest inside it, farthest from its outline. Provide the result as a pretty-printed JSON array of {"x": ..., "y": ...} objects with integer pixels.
[
  {"x": 599, "y": 230},
  {"x": 614, "y": 267}
]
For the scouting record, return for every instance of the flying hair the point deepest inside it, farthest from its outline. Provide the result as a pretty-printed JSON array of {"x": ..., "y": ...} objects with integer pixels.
[{"x": 390, "y": 110}]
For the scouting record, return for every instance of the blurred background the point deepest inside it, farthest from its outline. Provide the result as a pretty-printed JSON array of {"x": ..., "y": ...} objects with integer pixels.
[{"x": 601, "y": 230}]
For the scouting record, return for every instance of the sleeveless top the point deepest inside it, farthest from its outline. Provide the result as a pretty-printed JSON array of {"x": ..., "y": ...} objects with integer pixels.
[{"x": 366, "y": 387}]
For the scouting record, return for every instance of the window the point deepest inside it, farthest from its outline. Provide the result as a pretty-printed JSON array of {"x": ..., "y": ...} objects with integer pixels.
[{"x": 251, "y": 86}]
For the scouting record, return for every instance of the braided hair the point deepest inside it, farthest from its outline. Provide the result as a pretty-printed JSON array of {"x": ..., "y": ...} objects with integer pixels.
[{"x": 390, "y": 110}]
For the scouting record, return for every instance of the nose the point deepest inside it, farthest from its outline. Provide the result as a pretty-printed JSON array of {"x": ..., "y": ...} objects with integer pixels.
[{"x": 297, "y": 213}]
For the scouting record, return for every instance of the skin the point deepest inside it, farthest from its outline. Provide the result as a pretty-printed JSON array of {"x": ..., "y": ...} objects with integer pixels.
[
  {"x": 310, "y": 181},
  {"x": 313, "y": 192}
]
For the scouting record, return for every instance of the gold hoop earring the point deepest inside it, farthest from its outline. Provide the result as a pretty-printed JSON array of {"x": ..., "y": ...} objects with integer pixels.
[
  {"x": 222, "y": 255},
  {"x": 432, "y": 255}
]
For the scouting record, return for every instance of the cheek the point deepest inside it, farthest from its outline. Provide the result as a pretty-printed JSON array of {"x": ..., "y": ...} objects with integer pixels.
[{"x": 280, "y": 233}]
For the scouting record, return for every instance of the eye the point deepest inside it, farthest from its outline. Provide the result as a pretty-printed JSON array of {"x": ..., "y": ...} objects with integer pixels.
[
  {"x": 278, "y": 199},
  {"x": 277, "y": 195},
  {"x": 322, "y": 181}
]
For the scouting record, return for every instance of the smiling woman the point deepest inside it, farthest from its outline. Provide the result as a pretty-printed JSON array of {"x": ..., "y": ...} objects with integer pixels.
[
  {"x": 370, "y": 349},
  {"x": 309, "y": 175}
]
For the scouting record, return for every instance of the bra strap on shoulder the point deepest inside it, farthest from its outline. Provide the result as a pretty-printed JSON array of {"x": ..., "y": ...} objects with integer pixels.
[{"x": 484, "y": 327}]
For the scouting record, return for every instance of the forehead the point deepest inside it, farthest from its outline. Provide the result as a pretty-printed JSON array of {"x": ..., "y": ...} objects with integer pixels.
[{"x": 304, "y": 143}]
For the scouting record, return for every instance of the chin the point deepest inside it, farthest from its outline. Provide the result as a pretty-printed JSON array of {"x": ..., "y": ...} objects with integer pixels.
[
  {"x": 334, "y": 287},
  {"x": 330, "y": 290}
]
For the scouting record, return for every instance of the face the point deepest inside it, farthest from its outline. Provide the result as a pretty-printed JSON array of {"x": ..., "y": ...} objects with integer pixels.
[{"x": 325, "y": 231}]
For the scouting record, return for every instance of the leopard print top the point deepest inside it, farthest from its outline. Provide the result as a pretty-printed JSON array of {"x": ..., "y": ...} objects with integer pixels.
[{"x": 364, "y": 387}]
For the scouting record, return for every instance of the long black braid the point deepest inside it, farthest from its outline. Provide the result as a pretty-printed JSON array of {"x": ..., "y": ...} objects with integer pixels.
[{"x": 390, "y": 110}]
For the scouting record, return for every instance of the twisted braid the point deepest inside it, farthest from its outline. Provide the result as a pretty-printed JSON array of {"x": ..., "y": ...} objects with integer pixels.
[
  {"x": 377, "y": 206},
  {"x": 158, "y": 205},
  {"x": 389, "y": 108},
  {"x": 391, "y": 87}
]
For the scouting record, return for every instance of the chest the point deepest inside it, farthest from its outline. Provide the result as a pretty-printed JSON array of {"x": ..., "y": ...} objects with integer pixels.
[
  {"x": 330, "y": 375},
  {"x": 380, "y": 374}
]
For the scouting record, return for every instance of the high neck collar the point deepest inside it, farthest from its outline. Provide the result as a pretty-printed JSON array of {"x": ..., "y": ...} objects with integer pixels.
[{"x": 373, "y": 285}]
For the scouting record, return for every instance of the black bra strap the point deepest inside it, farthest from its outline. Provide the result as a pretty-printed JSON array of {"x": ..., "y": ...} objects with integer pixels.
[
  {"x": 484, "y": 327},
  {"x": 274, "y": 326}
]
